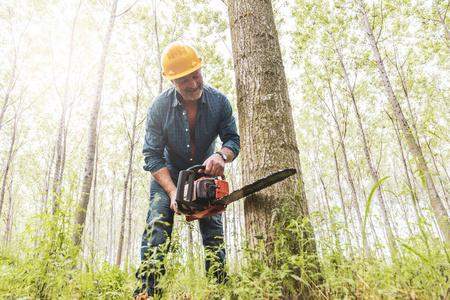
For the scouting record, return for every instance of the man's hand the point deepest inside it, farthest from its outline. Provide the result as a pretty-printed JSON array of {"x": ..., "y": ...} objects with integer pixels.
[
  {"x": 162, "y": 176},
  {"x": 173, "y": 202},
  {"x": 214, "y": 165}
]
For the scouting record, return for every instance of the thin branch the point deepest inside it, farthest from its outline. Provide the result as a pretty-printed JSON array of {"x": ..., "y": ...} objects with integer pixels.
[{"x": 127, "y": 10}]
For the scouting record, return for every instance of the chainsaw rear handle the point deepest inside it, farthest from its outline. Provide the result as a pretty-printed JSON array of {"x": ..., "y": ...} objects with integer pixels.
[
  {"x": 196, "y": 168},
  {"x": 188, "y": 176}
]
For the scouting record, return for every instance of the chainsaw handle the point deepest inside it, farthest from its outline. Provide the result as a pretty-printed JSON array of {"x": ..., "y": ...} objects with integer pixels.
[
  {"x": 188, "y": 177},
  {"x": 197, "y": 168}
]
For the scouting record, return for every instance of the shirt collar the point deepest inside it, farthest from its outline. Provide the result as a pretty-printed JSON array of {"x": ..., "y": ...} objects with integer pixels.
[{"x": 176, "y": 101}]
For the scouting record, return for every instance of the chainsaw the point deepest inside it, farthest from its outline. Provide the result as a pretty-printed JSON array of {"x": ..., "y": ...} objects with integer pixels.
[{"x": 200, "y": 195}]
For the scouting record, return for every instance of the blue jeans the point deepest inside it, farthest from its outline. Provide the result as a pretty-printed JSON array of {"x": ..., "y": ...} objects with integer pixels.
[{"x": 156, "y": 239}]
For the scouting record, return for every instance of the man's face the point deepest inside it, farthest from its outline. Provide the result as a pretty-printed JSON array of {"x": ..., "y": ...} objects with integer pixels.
[{"x": 190, "y": 86}]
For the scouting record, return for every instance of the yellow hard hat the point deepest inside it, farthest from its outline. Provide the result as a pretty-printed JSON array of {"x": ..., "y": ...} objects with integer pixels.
[{"x": 178, "y": 60}]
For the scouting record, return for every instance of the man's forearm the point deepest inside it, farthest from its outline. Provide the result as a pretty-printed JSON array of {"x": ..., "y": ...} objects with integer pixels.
[{"x": 162, "y": 176}]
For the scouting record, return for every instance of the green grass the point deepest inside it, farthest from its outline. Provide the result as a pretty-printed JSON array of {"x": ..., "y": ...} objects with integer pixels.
[{"x": 47, "y": 267}]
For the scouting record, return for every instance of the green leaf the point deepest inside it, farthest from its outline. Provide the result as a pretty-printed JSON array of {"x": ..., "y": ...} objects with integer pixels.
[{"x": 368, "y": 203}]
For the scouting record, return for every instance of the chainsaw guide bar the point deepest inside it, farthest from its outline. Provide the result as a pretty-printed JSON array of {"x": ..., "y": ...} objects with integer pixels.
[{"x": 256, "y": 186}]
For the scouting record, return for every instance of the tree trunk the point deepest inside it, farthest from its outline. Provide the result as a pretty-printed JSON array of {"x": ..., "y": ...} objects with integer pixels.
[
  {"x": 331, "y": 217},
  {"x": 122, "y": 216},
  {"x": 403, "y": 208},
  {"x": 9, "y": 161},
  {"x": 341, "y": 196},
  {"x": 266, "y": 125},
  {"x": 132, "y": 141},
  {"x": 111, "y": 235},
  {"x": 48, "y": 175},
  {"x": 80, "y": 217},
  {"x": 412, "y": 191},
  {"x": 438, "y": 175},
  {"x": 10, "y": 214},
  {"x": 158, "y": 48},
  {"x": 190, "y": 240},
  {"x": 436, "y": 203},
  {"x": 130, "y": 223},
  {"x": 93, "y": 241},
  {"x": 57, "y": 175}
]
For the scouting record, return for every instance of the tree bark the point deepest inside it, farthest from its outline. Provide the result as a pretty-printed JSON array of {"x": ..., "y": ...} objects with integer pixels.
[
  {"x": 427, "y": 180},
  {"x": 266, "y": 125},
  {"x": 412, "y": 191},
  {"x": 80, "y": 217},
  {"x": 93, "y": 240}
]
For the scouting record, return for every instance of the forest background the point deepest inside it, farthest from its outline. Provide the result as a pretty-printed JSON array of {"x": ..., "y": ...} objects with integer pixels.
[{"x": 376, "y": 227}]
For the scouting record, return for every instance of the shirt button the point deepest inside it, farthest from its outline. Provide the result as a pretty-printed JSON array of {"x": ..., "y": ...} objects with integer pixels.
[
  {"x": 188, "y": 146},
  {"x": 184, "y": 113},
  {"x": 187, "y": 129},
  {"x": 191, "y": 159}
]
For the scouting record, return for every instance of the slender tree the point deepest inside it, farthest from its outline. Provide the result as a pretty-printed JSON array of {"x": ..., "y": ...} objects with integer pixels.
[
  {"x": 60, "y": 145},
  {"x": 158, "y": 45},
  {"x": 10, "y": 158},
  {"x": 10, "y": 213},
  {"x": 129, "y": 174},
  {"x": 93, "y": 203},
  {"x": 80, "y": 217},
  {"x": 341, "y": 195}
]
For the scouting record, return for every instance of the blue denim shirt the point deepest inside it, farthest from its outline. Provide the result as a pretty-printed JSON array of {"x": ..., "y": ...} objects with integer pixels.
[{"x": 167, "y": 136}]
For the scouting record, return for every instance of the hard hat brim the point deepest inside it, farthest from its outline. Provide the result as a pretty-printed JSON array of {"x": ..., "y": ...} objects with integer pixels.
[{"x": 187, "y": 72}]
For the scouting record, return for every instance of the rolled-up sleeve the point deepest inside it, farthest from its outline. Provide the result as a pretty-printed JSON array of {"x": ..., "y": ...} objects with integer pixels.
[
  {"x": 153, "y": 149},
  {"x": 228, "y": 131}
]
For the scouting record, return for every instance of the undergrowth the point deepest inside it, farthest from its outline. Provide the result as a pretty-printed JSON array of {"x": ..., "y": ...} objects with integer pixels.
[{"x": 47, "y": 266}]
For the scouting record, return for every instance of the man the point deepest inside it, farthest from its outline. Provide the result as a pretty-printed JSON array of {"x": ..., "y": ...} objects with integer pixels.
[{"x": 182, "y": 126}]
